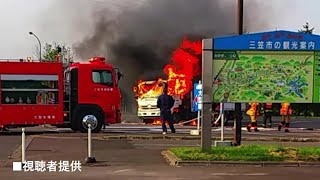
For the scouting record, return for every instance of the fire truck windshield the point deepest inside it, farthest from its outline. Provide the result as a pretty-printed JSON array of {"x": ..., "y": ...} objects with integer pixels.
[{"x": 103, "y": 77}]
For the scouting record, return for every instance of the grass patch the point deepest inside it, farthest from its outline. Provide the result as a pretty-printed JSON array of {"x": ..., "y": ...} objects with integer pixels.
[{"x": 249, "y": 153}]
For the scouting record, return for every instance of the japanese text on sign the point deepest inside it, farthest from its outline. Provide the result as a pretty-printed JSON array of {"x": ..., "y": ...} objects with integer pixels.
[
  {"x": 51, "y": 166},
  {"x": 284, "y": 45},
  {"x": 226, "y": 55}
]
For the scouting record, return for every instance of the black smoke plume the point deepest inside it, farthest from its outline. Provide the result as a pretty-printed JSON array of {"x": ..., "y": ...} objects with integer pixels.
[{"x": 140, "y": 39}]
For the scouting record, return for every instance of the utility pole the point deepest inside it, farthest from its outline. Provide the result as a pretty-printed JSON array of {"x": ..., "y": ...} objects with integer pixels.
[
  {"x": 238, "y": 113},
  {"x": 207, "y": 79}
]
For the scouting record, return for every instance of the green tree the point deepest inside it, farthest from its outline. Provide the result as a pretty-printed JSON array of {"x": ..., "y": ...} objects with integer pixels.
[
  {"x": 50, "y": 51},
  {"x": 306, "y": 29}
]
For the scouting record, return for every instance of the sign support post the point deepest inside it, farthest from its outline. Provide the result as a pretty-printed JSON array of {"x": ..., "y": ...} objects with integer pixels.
[
  {"x": 207, "y": 81},
  {"x": 222, "y": 142},
  {"x": 222, "y": 120},
  {"x": 198, "y": 121}
]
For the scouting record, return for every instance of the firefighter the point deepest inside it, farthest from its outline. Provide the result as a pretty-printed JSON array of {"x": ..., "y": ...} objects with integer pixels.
[
  {"x": 253, "y": 113},
  {"x": 285, "y": 113},
  {"x": 165, "y": 103},
  {"x": 267, "y": 114}
]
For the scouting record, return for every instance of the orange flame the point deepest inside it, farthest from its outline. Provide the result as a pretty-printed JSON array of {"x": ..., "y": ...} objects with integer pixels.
[
  {"x": 185, "y": 66},
  {"x": 193, "y": 123},
  {"x": 143, "y": 89},
  {"x": 157, "y": 121}
]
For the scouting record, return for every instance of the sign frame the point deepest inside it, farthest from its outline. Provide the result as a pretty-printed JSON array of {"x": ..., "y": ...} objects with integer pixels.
[{"x": 271, "y": 41}]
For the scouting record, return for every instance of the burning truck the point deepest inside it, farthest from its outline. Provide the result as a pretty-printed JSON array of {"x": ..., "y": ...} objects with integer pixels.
[
  {"x": 184, "y": 70},
  {"x": 147, "y": 93}
]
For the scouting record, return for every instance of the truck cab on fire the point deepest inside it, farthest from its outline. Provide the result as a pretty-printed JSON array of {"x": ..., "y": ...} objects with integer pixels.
[{"x": 147, "y": 93}]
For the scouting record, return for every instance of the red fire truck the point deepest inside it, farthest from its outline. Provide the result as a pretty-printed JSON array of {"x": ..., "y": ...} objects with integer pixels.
[{"x": 37, "y": 93}]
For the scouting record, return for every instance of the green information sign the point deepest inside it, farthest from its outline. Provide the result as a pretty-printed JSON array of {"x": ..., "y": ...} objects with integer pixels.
[
  {"x": 267, "y": 76},
  {"x": 274, "y": 66},
  {"x": 316, "y": 77}
]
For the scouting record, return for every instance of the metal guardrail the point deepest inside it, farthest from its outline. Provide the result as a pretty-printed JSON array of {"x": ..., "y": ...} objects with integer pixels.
[
  {"x": 25, "y": 60},
  {"x": 17, "y": 60},
  {"x": 33, "y": 60}
]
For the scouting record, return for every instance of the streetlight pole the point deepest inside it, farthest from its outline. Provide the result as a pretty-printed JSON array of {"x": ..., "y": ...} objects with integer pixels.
[
  {"x": 240, "y": 17},
  {"x": 238, "y": 113},
  {"x": 31, "y": 33}
]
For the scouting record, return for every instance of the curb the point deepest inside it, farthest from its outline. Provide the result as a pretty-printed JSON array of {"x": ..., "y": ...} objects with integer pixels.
[
  {"x": 309, "y": 129},
  {"x": 173, "y": 160},
  {"x": 166, "y": 137},
  {"x": 278, "y": 139}
]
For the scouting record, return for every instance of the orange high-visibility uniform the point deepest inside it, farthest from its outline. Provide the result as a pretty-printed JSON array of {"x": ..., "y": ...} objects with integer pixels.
[
  {"x": 252, "y": 112},
  {"x": 285, "y": 109},
  {"x": 285, "y": 112}
]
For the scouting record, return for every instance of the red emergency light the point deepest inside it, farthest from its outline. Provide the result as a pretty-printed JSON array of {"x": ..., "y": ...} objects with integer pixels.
[{"x": 97, "y": 59}]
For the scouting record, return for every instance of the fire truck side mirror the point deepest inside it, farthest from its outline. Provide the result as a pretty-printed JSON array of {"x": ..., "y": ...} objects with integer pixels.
[{"x": 120, "y": 75}]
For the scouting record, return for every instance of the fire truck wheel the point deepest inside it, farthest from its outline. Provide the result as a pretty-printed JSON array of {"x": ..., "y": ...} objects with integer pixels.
[{"x": 92, "y": 117}]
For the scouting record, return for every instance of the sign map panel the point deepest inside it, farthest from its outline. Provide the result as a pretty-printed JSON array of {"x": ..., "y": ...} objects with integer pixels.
[{"x": 267, "y": 76}]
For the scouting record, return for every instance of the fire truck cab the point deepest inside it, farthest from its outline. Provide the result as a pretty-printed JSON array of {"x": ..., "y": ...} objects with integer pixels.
[
  {"x": 37, "y": 93},
  {"x": 147, "y": 103},
  {"x": 147, "y": 93}
]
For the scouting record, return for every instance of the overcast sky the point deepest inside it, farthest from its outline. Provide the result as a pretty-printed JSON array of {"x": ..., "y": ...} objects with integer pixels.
[{"x": 52, "y": 21}]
